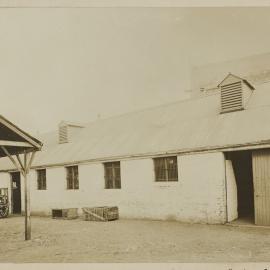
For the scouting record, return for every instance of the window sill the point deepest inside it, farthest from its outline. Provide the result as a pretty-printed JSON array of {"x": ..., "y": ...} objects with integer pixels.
[{"x": 166, "y": 184}]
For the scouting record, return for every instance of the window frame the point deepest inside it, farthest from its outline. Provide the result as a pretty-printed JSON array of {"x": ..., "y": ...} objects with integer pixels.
[
  {"x": 71, "y": 182},
  {"x": 115, "y": 183},
  {"x": 41, "y": 179},
  {"x": 164, "y": 165}
]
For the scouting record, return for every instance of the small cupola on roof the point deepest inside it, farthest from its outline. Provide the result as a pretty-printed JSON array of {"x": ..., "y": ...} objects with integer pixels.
[
  {"x": 67, "y": 131},
  {"x": 234, "y": 93}
]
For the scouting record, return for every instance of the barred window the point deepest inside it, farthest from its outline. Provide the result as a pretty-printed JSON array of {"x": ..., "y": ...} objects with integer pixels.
[
  {"x": 72, "y": 177},
  {"x": 112, "y": 175},
  {"x": 41, "y": 179},
  {"x": 166, "y": 169}
]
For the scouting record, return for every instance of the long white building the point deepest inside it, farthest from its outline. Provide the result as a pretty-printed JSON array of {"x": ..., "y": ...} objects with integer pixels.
[{"x": 205, "y": 159}]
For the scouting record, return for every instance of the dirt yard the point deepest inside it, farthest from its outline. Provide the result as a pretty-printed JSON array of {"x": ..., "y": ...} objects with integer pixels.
[{"x": 130, "y": 241}]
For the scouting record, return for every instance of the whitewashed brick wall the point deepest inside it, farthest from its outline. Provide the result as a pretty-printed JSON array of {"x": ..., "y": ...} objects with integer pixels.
[{"x": 198, "y": 196}]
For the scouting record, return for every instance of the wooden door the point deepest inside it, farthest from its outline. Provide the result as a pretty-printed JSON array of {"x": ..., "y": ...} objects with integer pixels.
[
  {"x": 261, "y": 180},
  {"x": 16, "y": 192}
]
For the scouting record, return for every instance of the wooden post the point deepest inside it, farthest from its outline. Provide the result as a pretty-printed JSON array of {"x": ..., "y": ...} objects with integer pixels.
[
  {"x": 26, "y": 200},
  {"x": 24, "y": 169}
]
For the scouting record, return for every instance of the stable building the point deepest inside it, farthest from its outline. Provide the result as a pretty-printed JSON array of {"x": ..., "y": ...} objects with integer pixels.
[{"x": 205, "y": 159}]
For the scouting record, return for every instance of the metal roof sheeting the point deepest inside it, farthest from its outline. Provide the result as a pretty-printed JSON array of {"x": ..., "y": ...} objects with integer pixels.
[{"x": 184, "y": 126}]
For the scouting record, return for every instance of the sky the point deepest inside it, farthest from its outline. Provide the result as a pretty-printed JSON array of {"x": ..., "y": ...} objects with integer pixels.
[{"x": 81, "y": 64}]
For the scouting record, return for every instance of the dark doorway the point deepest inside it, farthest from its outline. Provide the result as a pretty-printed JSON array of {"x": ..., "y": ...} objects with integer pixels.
[
  {"x": 242, "y": 166},
  {"x": 16, "y": 192}
]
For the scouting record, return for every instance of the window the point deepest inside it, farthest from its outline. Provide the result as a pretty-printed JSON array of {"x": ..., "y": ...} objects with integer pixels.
[
  {"x": 112, "y": 175},
  {"x": 166, "y": 169},
  {"x": 41, "y": 179},
  {"x": 72, "y": 177}
]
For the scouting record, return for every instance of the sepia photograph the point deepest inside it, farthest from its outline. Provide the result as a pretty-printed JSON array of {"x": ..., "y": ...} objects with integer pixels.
[{"x": 134, "y": 132}]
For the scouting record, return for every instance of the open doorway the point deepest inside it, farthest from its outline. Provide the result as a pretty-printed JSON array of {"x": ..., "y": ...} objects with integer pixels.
[
  {"x": 16, "y": 193},
  {"x": 242, "y": 169}
]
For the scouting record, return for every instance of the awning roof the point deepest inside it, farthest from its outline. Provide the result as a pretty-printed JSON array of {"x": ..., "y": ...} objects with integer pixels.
[{"x": 15, "y": 140}]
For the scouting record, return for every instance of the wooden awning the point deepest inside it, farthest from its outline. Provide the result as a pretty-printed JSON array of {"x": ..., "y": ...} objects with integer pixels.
[
  {"x": 15, "y": 140},
  {"x": 20, "y": 147}
]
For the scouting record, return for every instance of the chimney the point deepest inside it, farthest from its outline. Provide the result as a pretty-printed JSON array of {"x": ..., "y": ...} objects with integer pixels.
[
  {"x": 67, "y": 131},
  {"x": 234, "y": 93}
]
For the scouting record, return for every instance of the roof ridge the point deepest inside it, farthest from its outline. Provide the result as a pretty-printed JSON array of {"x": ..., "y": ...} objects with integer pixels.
[{"x": 153, "y": 108}]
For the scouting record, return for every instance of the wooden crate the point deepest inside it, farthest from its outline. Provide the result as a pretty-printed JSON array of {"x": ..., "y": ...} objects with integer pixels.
[
  {"x": 104, "y": 213},
  {"x": 67, "y": 213}
]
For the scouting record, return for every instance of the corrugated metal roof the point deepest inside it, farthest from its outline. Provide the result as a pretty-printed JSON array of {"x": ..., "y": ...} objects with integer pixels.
[{"x": 181, "y": 126}]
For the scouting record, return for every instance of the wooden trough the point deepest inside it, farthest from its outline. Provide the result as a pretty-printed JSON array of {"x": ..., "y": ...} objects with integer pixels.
[
  {"x": 104, "y": 213},
  {"x": 68, "y": 213}
]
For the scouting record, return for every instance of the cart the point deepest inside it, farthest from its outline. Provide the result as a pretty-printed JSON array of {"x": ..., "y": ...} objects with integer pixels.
[{"x": 3, "y": 206}]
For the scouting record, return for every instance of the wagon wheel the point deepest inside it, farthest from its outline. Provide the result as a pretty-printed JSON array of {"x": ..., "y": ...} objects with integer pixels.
[{"x": 3, "y": 211}]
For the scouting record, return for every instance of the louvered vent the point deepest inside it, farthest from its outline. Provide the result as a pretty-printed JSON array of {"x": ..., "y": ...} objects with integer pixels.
[
  {"x": 63, "y": 134},
  {"x": 68, "y": 131},
  {"x": 231, "y": 97}
]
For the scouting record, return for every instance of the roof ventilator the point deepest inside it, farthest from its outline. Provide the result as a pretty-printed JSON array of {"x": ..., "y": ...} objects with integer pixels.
[
  {"x": 234, "y": 93},
  {"x": 67, "y": 130}
]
